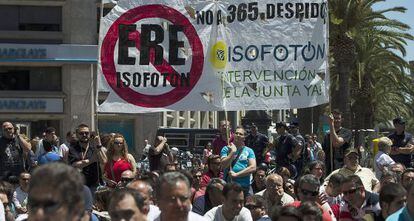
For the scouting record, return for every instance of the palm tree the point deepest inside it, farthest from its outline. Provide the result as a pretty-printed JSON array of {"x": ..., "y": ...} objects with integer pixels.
[
  {"x": 379, "y": 74},
  {"x": 352, "y": 23}
]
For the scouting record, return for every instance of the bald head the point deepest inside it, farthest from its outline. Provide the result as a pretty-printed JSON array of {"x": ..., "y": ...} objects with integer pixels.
[
  {"x": 274, "y": 187},
  {"x": 8, "y": 130},
  {"x": 274, "y": 177},
  {"x": 128, "y": 174},
  {"x": 142, "y": 187}
]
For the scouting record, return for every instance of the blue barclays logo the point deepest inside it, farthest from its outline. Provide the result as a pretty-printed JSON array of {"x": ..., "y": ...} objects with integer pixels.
[
  {"x": 22, "y": 104},
  {"x": 23, "y": 53}
]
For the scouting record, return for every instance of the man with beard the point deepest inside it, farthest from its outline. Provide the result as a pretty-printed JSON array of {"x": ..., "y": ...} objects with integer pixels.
[
  {"x": 86, "y": 154},
  {"x": 12, "y": 149}
]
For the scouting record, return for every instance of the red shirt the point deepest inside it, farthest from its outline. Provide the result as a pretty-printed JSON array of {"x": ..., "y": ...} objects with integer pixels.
[
  {"x": 205, "y": 179},
  {"x": 219, "y": 143},
  {"x": 325, "y": 214},
  {"x": 117, "y": 167}
]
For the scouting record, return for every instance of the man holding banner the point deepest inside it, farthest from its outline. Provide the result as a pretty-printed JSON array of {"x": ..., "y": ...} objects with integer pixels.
[
  {"x": 238, "y": 161},
  {"x": 340, "y": 138}
]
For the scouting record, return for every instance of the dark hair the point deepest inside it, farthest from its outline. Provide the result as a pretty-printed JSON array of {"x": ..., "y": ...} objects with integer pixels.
[
  {"x": 309, "y": 167},
  {"x": 336, "y": 179},
  {"x": 278, "y": 211},
  {"x": 311, "y": 208},
  {"x": 69, "y": 133},
  {"x": 408, "y": 170},
  {"x": 235, "y": 187},
  {"x": 308, "y": 178},
  {"x": 189, "y": 176},
  {"x": 258, "y": 200},
  {"x": 120, "y": 194},
  {"x": 261, "y": 167},
  {"x": 47, "y": 146},
  {"x": 7, "y": 188},
  {"x": 336, "y": 111},
  {"x": 63, "y": 179},
  {"x": 81, "y": 126},
  {"x": 50, "y": 130},
  {"x": 170, "y": 178},
  {"x": 389, "y": 173},
  {"x": 390, "y": 192},
  {"x": 211, "y": 158},
  {"x": 103, "y": 196},
  {"x": 210, "y": 186},
  {"x": 354, "y": 179}
]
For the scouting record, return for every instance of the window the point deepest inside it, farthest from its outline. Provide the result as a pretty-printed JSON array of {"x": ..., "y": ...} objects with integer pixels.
[
  {"x": 30, "y": 78},
  {"x": 31, "y": 18},
  {"x": 177, "y": 140},
  {"x": 202, "y": 139}
]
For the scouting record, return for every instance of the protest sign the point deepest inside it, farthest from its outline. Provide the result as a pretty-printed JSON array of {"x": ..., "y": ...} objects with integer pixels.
[{"x": 192, "y": 55}]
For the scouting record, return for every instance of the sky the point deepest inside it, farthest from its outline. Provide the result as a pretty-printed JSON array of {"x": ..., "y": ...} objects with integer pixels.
[{"x": 407, "y": 18}]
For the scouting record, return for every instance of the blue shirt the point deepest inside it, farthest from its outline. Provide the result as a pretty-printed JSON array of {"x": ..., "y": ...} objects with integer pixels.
[
  {"x": 241, "y": 163},
  {"x": 400, "y": 215},
  {"x": 49, "y": 157}
]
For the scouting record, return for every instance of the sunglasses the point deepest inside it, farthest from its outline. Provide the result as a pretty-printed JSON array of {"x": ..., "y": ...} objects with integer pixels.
[
  {"x": 126, "y": 180},
  {"x": 118, "y": 143},
  {"x": 309, "y": 193},
  {"x": 351, "y": 191},
  {"x": 252, "y": 206}
]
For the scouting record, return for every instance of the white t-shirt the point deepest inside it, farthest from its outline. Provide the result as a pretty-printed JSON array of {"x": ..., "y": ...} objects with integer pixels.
[
  {"x": 191, "y": 217},
  {"x": 2, "y": 218},
  {"x": 331, "y": 200},
  {"x": 286, "y": 198},
  {"x": 63, "y": 148},
  {"x": 153, "y": 213},
  {"x": 216, "y": 214},
  {"x": 381, "y": 160}
]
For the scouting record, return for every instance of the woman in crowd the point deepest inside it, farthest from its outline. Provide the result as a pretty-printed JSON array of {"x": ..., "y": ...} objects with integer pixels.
[
  {"x": 316, "y": 168},
  {"x": 289, "y": 188},
  {"x": 119, "y": 160}
]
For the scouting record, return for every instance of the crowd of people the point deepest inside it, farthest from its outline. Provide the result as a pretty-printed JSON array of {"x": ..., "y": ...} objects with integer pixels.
[{"x": 242, "y": 177}]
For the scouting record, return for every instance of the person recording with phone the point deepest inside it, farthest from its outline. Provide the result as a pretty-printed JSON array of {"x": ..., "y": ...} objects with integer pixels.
[
  {"x": 87, "y": 154},
  {"x": 12, "y": 149}
]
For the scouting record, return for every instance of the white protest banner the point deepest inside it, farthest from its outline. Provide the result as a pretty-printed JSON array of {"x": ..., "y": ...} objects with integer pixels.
[{"x": 213, "y": 55}]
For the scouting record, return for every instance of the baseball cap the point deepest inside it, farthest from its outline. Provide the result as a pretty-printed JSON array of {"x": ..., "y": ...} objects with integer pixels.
[
  {"x": 350, "y": 150},
  {"x": 294, "y": 123},
  {"x": 398, "y": 120}
]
